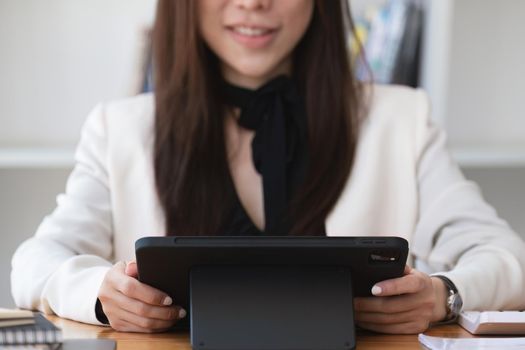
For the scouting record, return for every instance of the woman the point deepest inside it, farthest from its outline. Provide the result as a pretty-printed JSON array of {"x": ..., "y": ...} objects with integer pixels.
[{"x": 257, "y": 126}]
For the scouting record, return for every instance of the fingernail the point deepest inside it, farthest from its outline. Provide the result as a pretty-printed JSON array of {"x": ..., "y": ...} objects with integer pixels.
[
  {"x": 182, "y": 313},
  {"x": 167, "y": 301},
  {"x": 376, "y": 290}
]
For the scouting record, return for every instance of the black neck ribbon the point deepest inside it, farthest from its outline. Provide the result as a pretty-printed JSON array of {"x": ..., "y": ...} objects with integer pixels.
[{"x": 276, "y": 112}]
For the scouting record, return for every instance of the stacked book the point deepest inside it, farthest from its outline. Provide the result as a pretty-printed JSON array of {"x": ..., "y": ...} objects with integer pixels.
[{"x": 21, "y": 327}]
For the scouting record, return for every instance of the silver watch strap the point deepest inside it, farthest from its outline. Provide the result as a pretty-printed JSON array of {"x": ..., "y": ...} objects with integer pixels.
[{"x": 453, "y": 302}]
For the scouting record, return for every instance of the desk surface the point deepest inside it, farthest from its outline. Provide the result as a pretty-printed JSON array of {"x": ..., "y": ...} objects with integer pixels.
[{"x": 132, "y": 341}]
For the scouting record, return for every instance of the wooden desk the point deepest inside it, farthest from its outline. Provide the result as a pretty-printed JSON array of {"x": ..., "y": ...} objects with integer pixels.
[{"x": 181, "y": 341}]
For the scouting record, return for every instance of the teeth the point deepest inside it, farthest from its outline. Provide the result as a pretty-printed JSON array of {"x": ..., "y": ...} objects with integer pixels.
[{"x": 248, "y": 31}]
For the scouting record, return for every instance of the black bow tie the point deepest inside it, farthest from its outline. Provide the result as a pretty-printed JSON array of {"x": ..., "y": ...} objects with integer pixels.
[{"x": 276, "y": 113}]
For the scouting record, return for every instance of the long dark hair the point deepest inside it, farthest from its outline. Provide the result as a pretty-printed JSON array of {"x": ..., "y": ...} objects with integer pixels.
[{"x": 192, "y": 175}]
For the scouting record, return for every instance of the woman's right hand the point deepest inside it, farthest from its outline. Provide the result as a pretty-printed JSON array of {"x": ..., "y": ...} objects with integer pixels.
[{"x": 132, "y": 306}]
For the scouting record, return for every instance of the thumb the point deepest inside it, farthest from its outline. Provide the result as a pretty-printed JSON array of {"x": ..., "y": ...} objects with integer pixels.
[{"x": 131, "y": 269}]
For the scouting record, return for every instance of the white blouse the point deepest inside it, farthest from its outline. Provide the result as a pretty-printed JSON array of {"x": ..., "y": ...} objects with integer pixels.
[{"x": 403, "y": 183}]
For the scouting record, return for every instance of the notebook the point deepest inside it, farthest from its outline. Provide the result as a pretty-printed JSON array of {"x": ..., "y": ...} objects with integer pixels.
[
  {"x": 41, "y": 331},
  {"x": 10, "y": 313},
  {"x": 493, "y": 322},
  {"x": 68, "y": 344},
  {"x": 478, "y": 343},
  {"x": 10, "y": 318}
]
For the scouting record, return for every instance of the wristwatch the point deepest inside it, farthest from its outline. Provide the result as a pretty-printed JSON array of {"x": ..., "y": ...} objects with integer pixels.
[{"x": 454, "y": 303}]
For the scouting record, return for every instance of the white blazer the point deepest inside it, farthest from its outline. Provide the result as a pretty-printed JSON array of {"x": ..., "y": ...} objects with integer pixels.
[{"x": 404, "y": 183}]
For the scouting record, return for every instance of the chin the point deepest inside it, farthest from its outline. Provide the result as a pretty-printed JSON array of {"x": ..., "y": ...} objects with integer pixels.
[
  {"x": 256, "y": 70},
  {"x": 256, "y": 73}
]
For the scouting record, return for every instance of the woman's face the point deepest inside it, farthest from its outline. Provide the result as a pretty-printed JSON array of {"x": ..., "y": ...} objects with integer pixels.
[{"x": 254, "y": 39}]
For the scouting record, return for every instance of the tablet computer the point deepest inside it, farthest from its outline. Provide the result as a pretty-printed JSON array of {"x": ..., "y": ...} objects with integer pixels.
[{"x": 165, "y": 263}]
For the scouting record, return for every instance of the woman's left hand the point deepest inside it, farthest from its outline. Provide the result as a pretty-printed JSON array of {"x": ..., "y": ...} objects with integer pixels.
[{"x": 404, "y": 305}]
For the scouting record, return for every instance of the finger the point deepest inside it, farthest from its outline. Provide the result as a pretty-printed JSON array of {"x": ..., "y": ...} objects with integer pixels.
[
  {"x": 411, "y": 283},
  {"x": 394, "y": 304},
  {"x": 399, "y": 328},
  {"x": 132, "y": 288},
  {"x": 131, "y": 269},
  {"x": 144, "y": 323},
  {"x": 125, "y": 326},
  {"x": 392, "y": 318},
  {"x": 166, "y": 313},
  {"x": 407, "y": 270}
]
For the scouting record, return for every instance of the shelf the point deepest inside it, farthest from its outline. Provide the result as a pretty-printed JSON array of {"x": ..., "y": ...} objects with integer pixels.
[
  {"x": 38, "y": 158},
  {"x": 489, "y": 158}
]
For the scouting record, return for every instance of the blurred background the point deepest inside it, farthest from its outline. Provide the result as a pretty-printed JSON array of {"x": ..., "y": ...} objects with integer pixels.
[{"x": 59, "y": 58}]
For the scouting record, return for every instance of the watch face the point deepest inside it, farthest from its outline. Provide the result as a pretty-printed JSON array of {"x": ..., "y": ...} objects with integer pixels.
[{"x": 455, "y": 303}]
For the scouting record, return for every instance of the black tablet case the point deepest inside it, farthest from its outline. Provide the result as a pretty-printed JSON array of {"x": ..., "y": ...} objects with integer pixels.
[{"x": 231, "y": 273}]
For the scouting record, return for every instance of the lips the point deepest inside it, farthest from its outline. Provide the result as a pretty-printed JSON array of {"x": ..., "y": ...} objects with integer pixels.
[{"x": 253, "y": 37}]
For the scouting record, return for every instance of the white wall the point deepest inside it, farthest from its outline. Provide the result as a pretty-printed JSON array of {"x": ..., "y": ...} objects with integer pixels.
[
  {"x": 504, "y": 189},
  {"x": 59, "y": 58},
  {"x": 486, "y": 92}
]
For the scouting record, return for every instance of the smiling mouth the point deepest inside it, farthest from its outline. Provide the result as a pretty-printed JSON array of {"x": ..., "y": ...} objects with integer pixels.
[{"x": 251, "y": 31}]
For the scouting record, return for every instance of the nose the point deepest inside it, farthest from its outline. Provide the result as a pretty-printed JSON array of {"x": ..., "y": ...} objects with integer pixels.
[{"x": 253, "y": 5}]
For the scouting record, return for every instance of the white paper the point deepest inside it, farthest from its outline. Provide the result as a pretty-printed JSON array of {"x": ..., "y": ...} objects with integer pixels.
[{"x": 438, "y": 343}]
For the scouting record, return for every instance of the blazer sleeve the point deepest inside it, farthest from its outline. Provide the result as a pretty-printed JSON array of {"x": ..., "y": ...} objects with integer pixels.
[
  {"x": 459, "y": 235},
  {"x": 61, "y": 268}
]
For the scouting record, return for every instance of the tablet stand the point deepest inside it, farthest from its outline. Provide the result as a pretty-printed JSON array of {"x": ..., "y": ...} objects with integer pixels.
[{"x": 271, "y": 307}]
